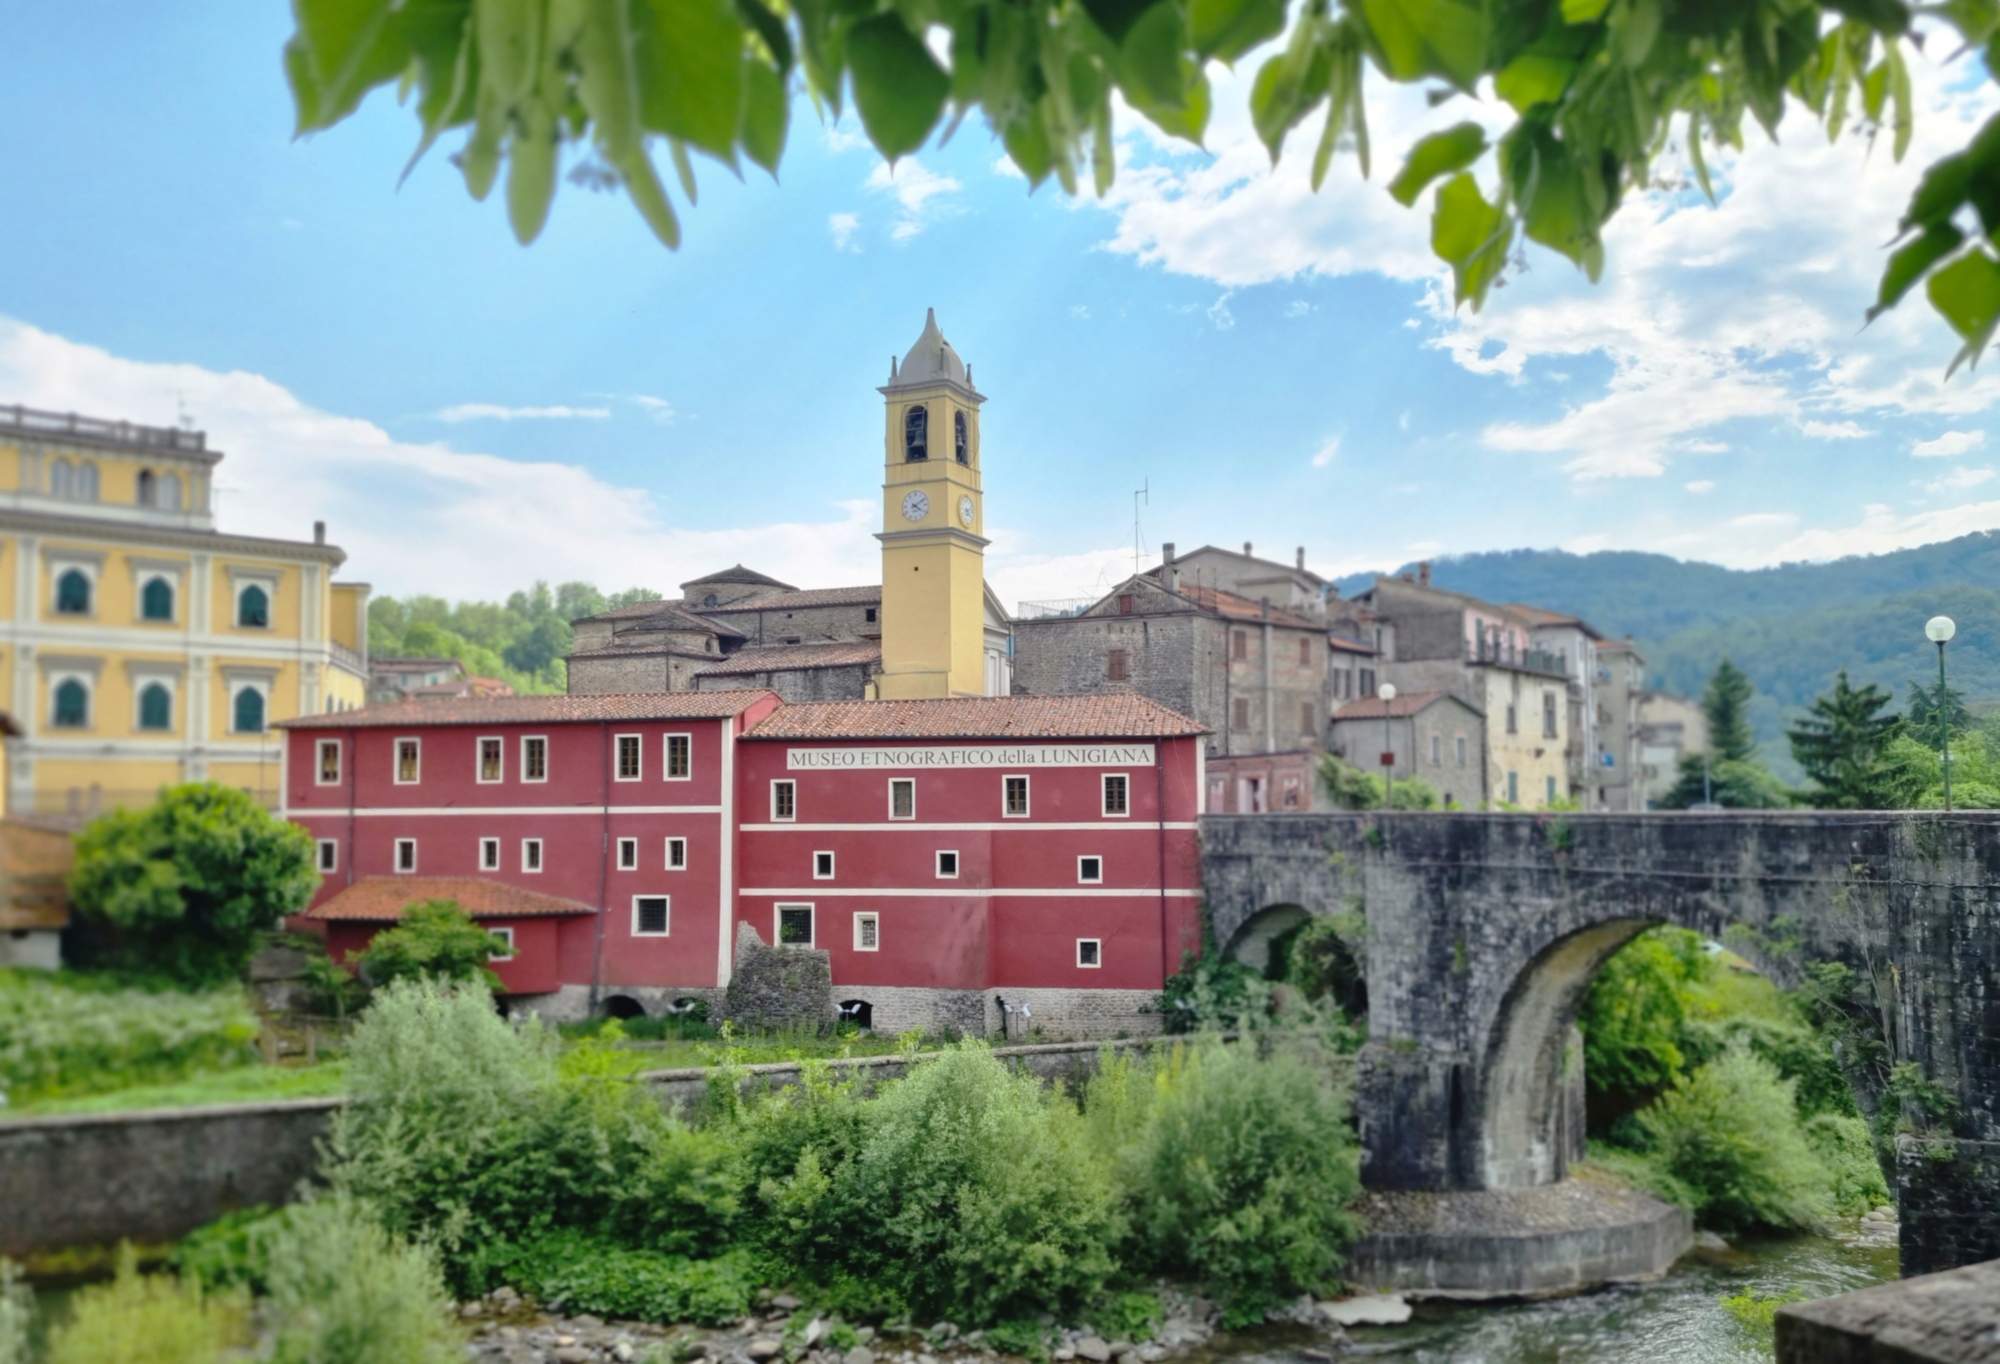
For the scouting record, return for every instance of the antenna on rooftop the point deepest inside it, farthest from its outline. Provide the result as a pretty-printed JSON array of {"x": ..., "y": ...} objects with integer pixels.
[
  {"x": 1140, "y": 496},
  {"x": 186, "y": 417}
]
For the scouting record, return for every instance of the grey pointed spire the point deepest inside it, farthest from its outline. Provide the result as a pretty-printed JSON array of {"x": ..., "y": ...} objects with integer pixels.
[{"x": 931, "y": 359}]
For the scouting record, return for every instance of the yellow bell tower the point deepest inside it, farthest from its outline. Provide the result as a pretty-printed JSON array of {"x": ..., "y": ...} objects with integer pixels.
[{"x": 933, "y": 555}]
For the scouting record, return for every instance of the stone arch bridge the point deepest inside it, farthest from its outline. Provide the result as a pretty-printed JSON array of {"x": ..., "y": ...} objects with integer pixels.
[{"x": 1482, "y": 931}]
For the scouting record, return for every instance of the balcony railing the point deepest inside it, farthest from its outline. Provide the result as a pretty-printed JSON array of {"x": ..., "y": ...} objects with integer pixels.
[
  {"x": 1052, "y": 610},
  {"x": 32, "y": 420},
  {"x": 1504, "y": 655},
  {"x": 347, "y": 658}
]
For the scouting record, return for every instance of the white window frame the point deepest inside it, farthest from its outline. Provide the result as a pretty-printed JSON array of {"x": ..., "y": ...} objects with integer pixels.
[
  {"x": 56, "y": 563},
  {"x": 325, "y": 864},
  {"x": 400, "y": 869},
  {"x": 540, "y": 860},
  {"x": 242, "y": 580},
  {"x": 681, "y": 865},
  {"x": 396, "y": 761},
  {"x": 956, "y": 862},
  {"x": 319, "y": 763},
  {"x": 776, "y": 784},
  {"x": 778, "y": 922},
  {"x": 1084, "y": 880},
  {"x": 1104, "y": 803},
  {"x": 1098, "y": 945},
  {"x": 489, "y": 845},
  {"x": 86, "y": 680},
  {"x": 499, "y": 743},
  {"x": 506, "y": 934},
  {"x": 145, "y": 579},
  {"x": 667, "y": 756},
  {"x": 665, "y": 932},
  {"x": 526, "y": 766},
  {"x": 628, "y": 854},
  {"x": 819, "y": 875},
  {"x": 618, "y": 757},
  {"x": 263, "y": 689},
  {"x": 874, "y": 919},
  {"x": 1027, "y": 790},
  {"x": 910, "y": 782}
]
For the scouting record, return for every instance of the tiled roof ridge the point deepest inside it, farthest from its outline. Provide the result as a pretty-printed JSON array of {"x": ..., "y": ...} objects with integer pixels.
[
  {"x": 825, "y": 653},
  {"x": 1101, "y": 715},
  {"x": 537, "y": 709},
  {"x": 382, "y": 899}
]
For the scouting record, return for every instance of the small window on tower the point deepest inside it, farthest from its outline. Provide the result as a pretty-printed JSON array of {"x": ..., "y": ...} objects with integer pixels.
[
  {"x": 916, "y": 433},
  {"x": 1305, "y": 653},
  {"x": 1117, "y": 666},
  {"x": 959, "y": 441}
]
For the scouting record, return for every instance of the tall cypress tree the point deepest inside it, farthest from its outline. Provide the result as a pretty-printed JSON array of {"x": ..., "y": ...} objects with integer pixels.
[
  {"x": 1727, "y": 703},
  {"x": 1923, "y": 709},
  {"x": 1728, "y": 774},
  {"x": 1840, "y": 743}
]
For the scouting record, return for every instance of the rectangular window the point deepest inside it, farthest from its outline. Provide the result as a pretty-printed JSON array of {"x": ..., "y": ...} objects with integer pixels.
[
  {"x": 677, "y": 854},
  {"x": 795, "y": 925},
  {"x": 505, "y": 935},
  {"x": 1239, "y": 713},
  {"x": 867, "y": 932},
  {"x": 1117, "y": 794},
  {"x": 406, "y": 854},
  {"x": 628, "y": 854},
  {"x": 1125, "y": 603},
  {"x": 1548, "y": 715},
  {"x": 1305, "y": 653},
  {"x": 489, "y": 854},
  {"x": 651, "y": 915},
  {"x": 1513, "y": 788},
  {"x": 1367, "y": 682},
  {"x": 1239, "y": 645},
  {"x": 1014, "y": 797},
  {"x": 1458, "y": 750},
  {"x": 489, "y": 760},
  {"x": 1117, "y": 666},
  {"x": 903, "y": 798},
  {"x": 868, "y": 615},
  {"x": 1090, "y": 871},
  {"x": 329, "y": 855},
  {"x": 409, "y": 764},
  {"x": 329, "y": 762},
  {"x": 535, "y": 759},
  {"x": 947, "y": 866},
  {"x": 1437, "y": 750},
  {"x": 628, "y": 757},
  {"x": 1513, "y": 719},
  {"x": 1089, "y": 952},
  {"x": 680, "y": 757},
  {"x": 784, "y": 800},
  {"x": 1306, "y": 729},
  {"x": 1340, "y": 684},
  {"x": 531, "y": 854},
  {"x": 822, "y": 866},
  {"x": 1551, "y": 797}
]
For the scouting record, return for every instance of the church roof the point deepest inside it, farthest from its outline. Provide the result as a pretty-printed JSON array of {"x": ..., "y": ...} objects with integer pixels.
[
  {"x": 931, "y": 360},
  {"x": 765, "y": 658},
  {"x": 868, "y": 595},
  {"x": 738, "y": 574}
]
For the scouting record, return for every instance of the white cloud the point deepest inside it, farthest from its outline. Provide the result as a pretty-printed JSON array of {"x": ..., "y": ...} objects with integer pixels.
[
  {"x": 846, "y": 136},
  {"x": 1324, "y": 456},
  {"x": 920, "y": 194},
  {"x": 1007, "y": 170},
  {"x": 842, "y": 227},
  {"x": 469, "y": 412},
  {"x": 1016, "y": 577},
  {"x": 1834, "y": 430},
  {"x": 1959, "y": 479},
  {"x": 1949, "y": 444},
  {"x": 1702, "y": 485},
  {"x": 1704, "y": 447},
  {"x": 1298, "y": 308},
  {"x": 1881, "y": 529},
  {"x": 659, "y": 409},
  {"x": 1219, "y": 315},
  {"x": 1080, "y": 311}
]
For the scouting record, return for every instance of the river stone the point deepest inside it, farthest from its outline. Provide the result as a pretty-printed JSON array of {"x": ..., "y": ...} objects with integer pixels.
[
  {"x": 860, "y": 1354},
  {"x": 1382, "y": 1309},
  {"x": 1093, "y": 1349},
  {"x": 573, "y": 1354},
  {"x": 785, "y": 1302},
  {"x": 763, "y": 1348}
]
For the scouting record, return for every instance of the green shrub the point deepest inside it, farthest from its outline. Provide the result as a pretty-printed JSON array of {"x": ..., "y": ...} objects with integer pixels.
[
  {"x": 437, "y": 941},
  {"x": 17, "y": 1309},
  {"x": 146, "y": 1319},
  {"x": 575, "y": 1272},
  {"x": 1846, "y": 1149},
  {"x": 1756, "y": 1314},
  {"x": 1634, "y": 1015},
  {"x": 1730, "y": 1136},
  {"x": 186, "y": 886},
  {"x": 342, "y": 1291},
  {"x": 233, "y": 1251},
  {"x": 69, "y": 1033},
  {"x": 1241, "y": 1175}
]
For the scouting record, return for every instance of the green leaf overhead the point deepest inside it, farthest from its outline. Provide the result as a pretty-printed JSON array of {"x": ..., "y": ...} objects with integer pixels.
[
  {"x": 1439, "y": 154},
  {"x": 899, "y": 88}
]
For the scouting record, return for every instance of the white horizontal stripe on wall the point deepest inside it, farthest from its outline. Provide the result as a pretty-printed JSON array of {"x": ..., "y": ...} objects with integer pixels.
[
  {"x": 998, "y": 826},
  {"x": 822, "y": 891}
]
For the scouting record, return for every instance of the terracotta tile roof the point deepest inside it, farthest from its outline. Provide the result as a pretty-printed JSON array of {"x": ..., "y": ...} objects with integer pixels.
[
  {"x": 537, "y": 710},
  {"x": 1539, "y": 616},
  {"x": 1109, "y": 715},
  {"x": 1348, "y": 646},
  {"x": 866, "y": 595},
  {"x": 654, "y": 649},
  {"x": 1616, "y": 646},
  {"x": 382, "y": 899},
  {"x": 1232, "y": 607},
  {"x": 393, "y": 663},
  {"x": 740, "y": 574},
  {"x": 663, "y": 615},
  {"x": 1405, "y": 704},
  {"x": 761, "y": 658}
]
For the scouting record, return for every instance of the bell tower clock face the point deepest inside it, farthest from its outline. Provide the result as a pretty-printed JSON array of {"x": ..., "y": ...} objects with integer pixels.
[
  {"x": 916, "y": 506},
  {"x": 965, "y": 512}
]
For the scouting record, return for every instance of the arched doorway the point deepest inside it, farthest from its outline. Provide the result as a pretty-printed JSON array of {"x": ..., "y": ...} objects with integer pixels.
[{"x": 623, "y": 1007}]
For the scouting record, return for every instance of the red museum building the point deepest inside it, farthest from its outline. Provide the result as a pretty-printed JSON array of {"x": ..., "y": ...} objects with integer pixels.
[{"x": 945, "y": 854}]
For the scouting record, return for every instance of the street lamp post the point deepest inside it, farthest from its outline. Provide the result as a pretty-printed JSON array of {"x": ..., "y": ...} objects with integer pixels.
[
  {"x": 1387, "y": 691},
  {"x": 1939, "y": 629}
]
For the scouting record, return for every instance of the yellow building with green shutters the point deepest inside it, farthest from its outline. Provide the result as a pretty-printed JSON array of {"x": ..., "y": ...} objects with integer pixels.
[{"x": 141, "y": 646}]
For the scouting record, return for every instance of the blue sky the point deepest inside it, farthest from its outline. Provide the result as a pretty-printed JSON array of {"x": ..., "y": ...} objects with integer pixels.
[{"x": 1277, "y": 366}]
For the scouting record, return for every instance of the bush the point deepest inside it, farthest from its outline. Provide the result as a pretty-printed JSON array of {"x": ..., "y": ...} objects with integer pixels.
[
  {"x": 1846, "y": 1148},
  {"x": 185, "y": 886},
  {"x": 1240, "y": 1174},
  {"x": 574, "y": 1272},
  {"x": 437, "y": 941},
  {"x": 68, "y": 1034},
  {"x": 146, "y": 1319},
  {"x": 17, "y": 1309},
  {"x": 342, "y": 1291}
]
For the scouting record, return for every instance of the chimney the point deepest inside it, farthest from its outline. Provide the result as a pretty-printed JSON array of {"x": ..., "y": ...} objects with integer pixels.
[
  {"x": 319, "y": 532},
  {"x": 1246, "y": 549},
  {"x": 1302, "y": 558},
  {"x": 1170, "y": 576},
  {"x": 1424, "y": 572}
]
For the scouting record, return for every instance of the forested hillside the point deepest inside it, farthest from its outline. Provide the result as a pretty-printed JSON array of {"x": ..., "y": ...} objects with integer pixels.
[{"x": 520, "y": 641}]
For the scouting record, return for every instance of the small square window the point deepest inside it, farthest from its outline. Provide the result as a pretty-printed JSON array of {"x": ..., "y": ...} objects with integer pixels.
[
  {"x": 680, "y": 757},
  {"x": 867, "y": 932},
  {"x": 406, "y": 854},
  {"x": 505, "y": 935},
  {"x": 903, "y": 798},
  {"x": 409, "y": 761},
  {"x": 822, "y": 866},
  {"x": 535, "y": 759},
  {"x": 531, "y": 854},
  {"x": 1014, "y": 802},
  {"x": 329, "y": 762},
  {"x": 784, "y": 800},
  {"x": 628, "y": 854},
  {"x": 329, "y": 855},
  {"x": 1090, "y": 870},
  {"x": 947, "y": 865},
  {"x": 868, "y": 615},
  {"x": 1117, "y": 665},
  {"x": 651, "y": 915},
  {"x": 628, "y": 757},
  {"x": 795, "y": 925},
  {"x": 490, "y": 760},
  {"x": 677, "y": 854},
  {"x": 1089, "y": 952},
  {"x": 1117, "y": 795},
  {"x": 489, "y": 854}
]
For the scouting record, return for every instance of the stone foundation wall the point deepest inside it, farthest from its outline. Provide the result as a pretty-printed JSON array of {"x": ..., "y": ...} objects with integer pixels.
[
  {"x": 1946, "y": 1193},
  {"x": 778, "y": 987}
]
